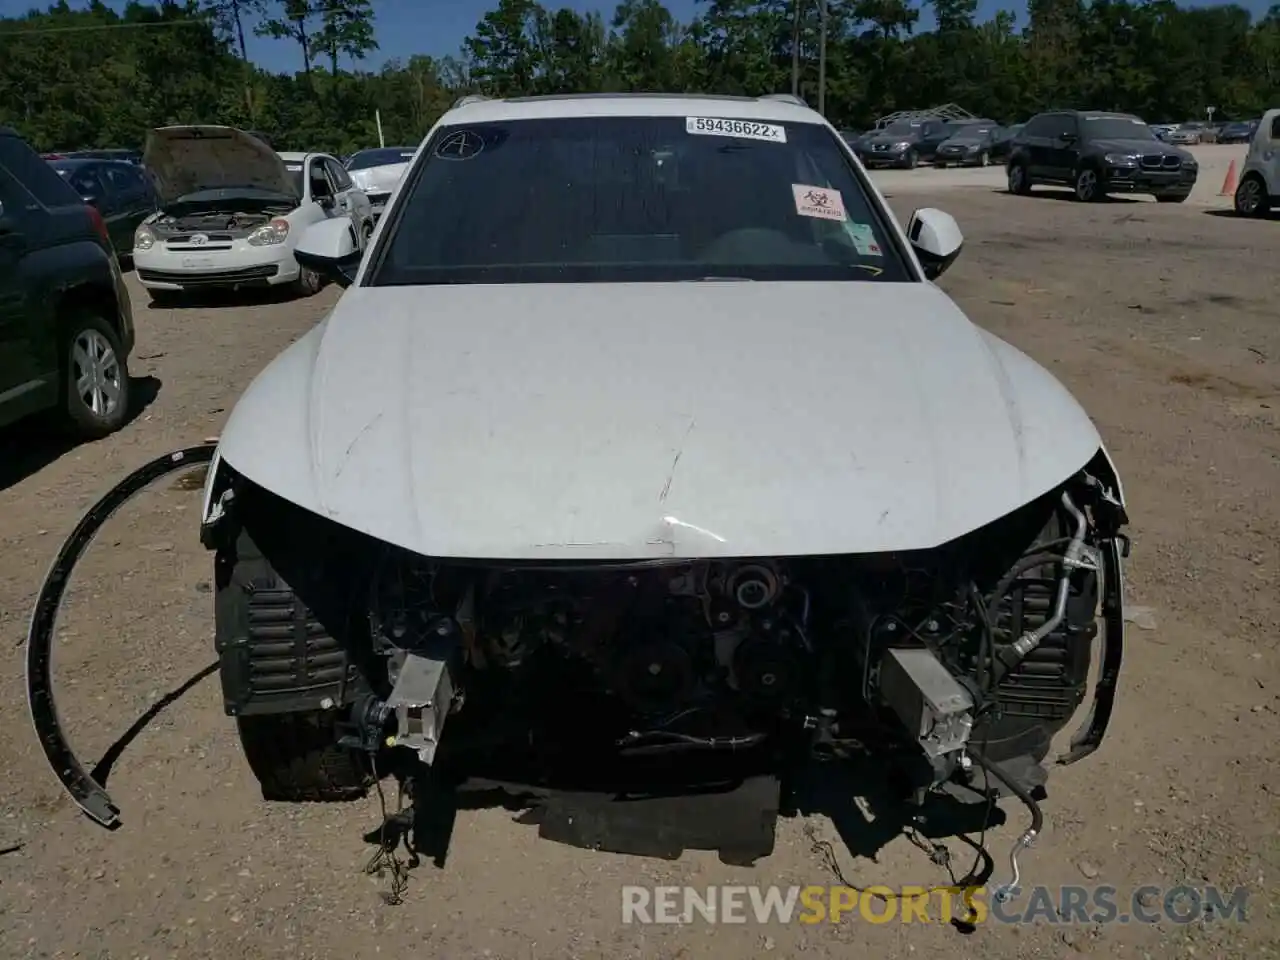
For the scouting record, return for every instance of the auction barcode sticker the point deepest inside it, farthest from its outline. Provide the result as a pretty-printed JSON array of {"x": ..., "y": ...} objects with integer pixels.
[{"x": 746, "y": 129}]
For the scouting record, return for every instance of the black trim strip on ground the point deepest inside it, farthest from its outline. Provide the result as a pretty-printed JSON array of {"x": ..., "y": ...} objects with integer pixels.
[{"x": 87, "y": 793}]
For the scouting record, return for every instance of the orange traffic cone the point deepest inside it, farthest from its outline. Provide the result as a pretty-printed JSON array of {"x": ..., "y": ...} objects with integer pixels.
[{"x": 1229, "y": 182}]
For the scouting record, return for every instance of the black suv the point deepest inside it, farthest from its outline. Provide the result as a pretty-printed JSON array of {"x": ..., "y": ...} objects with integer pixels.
[
  {"x": 66, "y": 326},
  {"x": 1096, "y": 154}
]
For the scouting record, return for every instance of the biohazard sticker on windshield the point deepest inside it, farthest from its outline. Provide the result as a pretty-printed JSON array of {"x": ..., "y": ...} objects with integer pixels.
[
  {"x": 821, "y": 202},
  {"x": 864, "y": 239},
  {"x": 744, "y": 129}
]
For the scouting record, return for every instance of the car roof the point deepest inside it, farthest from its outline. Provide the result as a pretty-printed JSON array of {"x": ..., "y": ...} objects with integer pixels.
[{"x": 778, "y": 108}]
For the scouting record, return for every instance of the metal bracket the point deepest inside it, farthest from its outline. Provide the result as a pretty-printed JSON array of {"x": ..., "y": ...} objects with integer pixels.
[{"x": 1088, "y": 737}]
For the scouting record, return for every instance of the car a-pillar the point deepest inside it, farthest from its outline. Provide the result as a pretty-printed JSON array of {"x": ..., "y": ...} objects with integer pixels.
[{"x": 284, "y": 630}]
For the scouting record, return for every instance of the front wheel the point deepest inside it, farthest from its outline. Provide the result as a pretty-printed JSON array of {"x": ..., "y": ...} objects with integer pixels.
[
  {"x": 1251, "y": 198},
  {"x": 1019, "y": 179},
  {"x": 308, "y": 283},
  {"x": 95, "y": 377},
  {"x": 295, "y": 759},
  {"x": 984, "y": 159},
  {"x": 913, "y": 160},
  {"x": 1088, "y": 188},
  {"x": 1171, "y": 197}
]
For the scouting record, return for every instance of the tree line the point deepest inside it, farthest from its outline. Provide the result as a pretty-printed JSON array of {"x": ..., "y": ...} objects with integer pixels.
[{"x": 94, "y": 77}]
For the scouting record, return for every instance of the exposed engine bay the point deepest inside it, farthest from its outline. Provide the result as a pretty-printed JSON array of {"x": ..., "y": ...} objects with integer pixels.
[
  {"x": 884, "y": 653},
  {"x": 952, "y": 667},
  {"x": 230, "y": 219}
]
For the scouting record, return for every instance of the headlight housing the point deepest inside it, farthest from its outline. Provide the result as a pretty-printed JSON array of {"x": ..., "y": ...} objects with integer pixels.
[
  {"x": 269, "y": 234},
  {"x": 1122, "y": 159},
  {"x": 143, "y": 238}
]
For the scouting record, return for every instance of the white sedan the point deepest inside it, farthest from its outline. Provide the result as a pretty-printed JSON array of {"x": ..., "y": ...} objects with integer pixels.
[
  {"x": 379, "y": 171},
  {"x": 233, "y": 209}
]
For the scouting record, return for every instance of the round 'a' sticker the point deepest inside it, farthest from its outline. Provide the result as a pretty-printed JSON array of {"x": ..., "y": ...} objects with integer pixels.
[{"x": 463, "y": 145}]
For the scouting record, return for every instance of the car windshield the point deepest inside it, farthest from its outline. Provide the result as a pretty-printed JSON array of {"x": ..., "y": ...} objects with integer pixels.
[
  {"x": 635, "y": 199},
  {"x": 971, "y": 130},
  {"x": 900, "y": 128},
  {"x": 380, "y": 157},
  {"x": 1116, "y": 128},
  {"x": 295, "y": 176}
]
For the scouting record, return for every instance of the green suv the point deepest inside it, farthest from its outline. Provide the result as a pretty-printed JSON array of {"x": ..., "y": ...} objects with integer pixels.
[{"x": 66, "y": 326}]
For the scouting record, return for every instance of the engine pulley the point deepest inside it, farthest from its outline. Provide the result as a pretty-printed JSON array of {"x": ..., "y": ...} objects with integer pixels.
[
  {"x": 766, "y": 669},
  {"x": 754, "y": 586},
  {"x": 654, "y": 676}
]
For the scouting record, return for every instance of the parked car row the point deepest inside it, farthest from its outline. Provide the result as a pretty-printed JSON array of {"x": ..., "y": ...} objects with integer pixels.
[
  {"x": 1196, "y": 131},
  {"x": 906, "y": 144}
]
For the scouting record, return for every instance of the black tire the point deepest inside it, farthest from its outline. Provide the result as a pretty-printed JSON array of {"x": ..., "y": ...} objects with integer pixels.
[
  {"x": 1251, "y": 199},
  {"x": 95, "y": 377},
  {"x": 1172, "y": 197},
  {"x": 1019, "y": 179},
  {"x": 913, "y": 159},
  {"x": 1088, "y": 186},
  {"x": 294, "y": 755},
  {"x": 984, "y": 159},
  {"x": 308, "y": 283},
  {"x": 366, "y": 233},
  {"x": 296, "y": 760}
]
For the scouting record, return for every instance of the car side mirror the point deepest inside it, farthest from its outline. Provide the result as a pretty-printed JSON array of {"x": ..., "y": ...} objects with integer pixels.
[
  {"x": 332, "y": 249},
  {"x": 936, "y": 238}
]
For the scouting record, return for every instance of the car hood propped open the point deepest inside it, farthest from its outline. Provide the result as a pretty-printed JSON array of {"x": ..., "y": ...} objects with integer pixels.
[
  {"x": 184, "y": 160},
  {"x": 611, "y": 421}
]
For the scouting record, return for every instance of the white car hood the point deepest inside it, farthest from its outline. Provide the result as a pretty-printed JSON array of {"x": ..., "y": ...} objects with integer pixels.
[
  {"x": 608, "y": 421},
  {"x": 379, "y": 179},
  {"x": 183, "y": 160}
]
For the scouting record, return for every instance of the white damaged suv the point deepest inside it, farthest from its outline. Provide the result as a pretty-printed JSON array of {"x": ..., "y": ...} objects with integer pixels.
[
  {"x": 641, "y": 457},
  {"x": 232, "y": 210}
]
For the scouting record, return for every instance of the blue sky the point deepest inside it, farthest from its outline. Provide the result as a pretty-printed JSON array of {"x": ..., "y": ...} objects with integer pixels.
[{"x": 438, "y": 27}]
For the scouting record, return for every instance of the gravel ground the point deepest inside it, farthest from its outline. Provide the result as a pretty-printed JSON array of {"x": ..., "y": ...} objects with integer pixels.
[{"x": 1161, "y": 320}]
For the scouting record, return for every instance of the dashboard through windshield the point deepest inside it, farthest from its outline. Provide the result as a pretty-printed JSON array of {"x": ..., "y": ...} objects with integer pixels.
[{"x": 635, "y": 199}]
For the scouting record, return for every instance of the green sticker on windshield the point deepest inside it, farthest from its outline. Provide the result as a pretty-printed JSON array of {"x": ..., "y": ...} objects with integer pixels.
[{"x": 864, "y": 239}]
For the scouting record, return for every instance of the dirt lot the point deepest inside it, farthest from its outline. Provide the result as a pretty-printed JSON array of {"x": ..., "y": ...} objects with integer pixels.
[{"x": 1162, "y": 320}]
